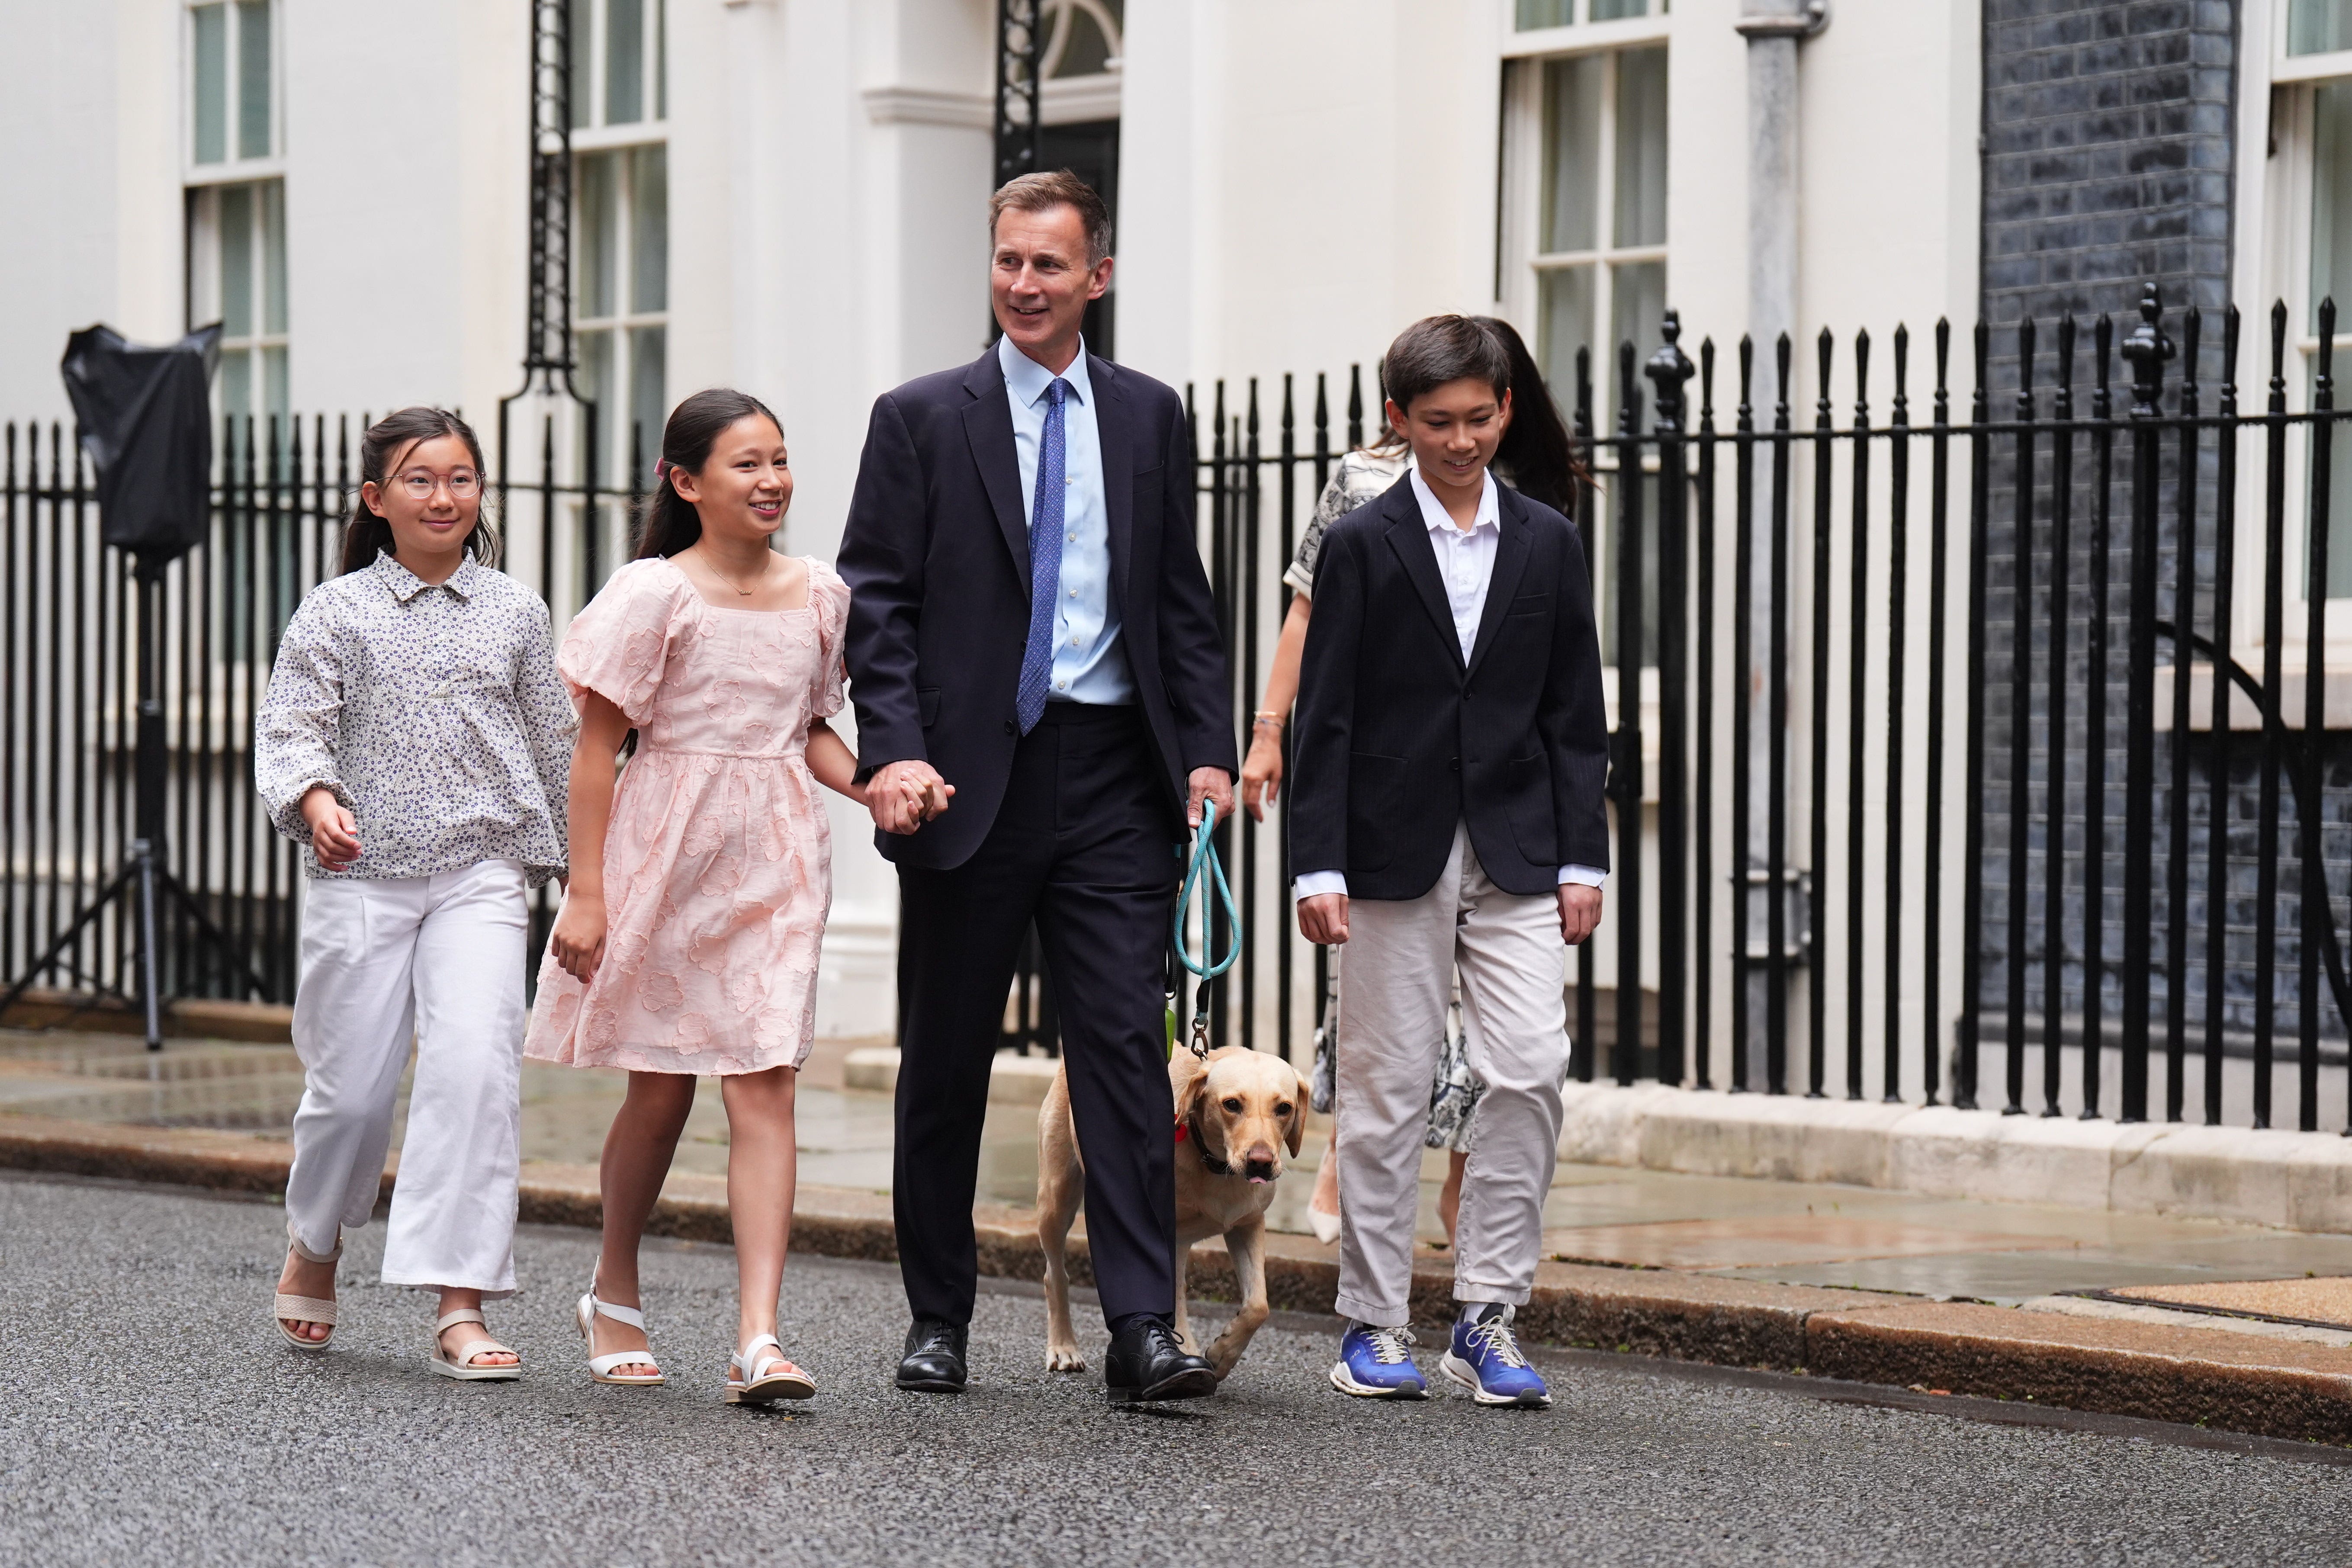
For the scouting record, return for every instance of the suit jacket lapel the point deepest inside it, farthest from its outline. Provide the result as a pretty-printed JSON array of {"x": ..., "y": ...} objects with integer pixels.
[
  {"x": 1510, "y": 566},
  {"x": 1111, "y": 431},
  {"x": 987, "y": 426},
  {"x": 1408, "y": 535}
]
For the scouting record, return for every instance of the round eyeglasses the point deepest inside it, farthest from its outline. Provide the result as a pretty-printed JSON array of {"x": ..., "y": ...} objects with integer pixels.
[{"x": 464, "y": 484}]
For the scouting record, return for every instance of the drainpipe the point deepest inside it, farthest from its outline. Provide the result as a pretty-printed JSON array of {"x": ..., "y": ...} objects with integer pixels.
[{"x": 1773, "y": 28}]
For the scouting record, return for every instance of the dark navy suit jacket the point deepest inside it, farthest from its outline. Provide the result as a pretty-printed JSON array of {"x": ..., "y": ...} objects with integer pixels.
[
  {"x": 1397, "y": 739},
  {"x": 936, "y": 554}
]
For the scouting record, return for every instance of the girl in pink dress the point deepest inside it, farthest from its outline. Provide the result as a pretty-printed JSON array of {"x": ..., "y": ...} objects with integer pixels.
[{"x": 687, "y": 940}]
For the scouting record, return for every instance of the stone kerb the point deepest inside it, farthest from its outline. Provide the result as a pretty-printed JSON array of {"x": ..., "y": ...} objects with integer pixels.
[{"x": 2296, "y": 1181}]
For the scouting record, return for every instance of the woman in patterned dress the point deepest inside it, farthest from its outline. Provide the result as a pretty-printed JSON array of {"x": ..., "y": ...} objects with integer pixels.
[
  {"x": 1537, "y": 458},
  {"x": 688, "y": 941},
  {"x": 413, "y": 740}
]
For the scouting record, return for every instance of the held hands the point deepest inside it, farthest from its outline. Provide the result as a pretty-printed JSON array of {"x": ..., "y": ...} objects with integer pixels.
[
  {"x": 1214, "y": 785},
  {"x": 903, "y": 795},
  {"x": 334, "y": 834},
  {"x": 577, "y": 939},
  {"x": 1580, "y": 911},
  {"x": 1323, "y": 919}
]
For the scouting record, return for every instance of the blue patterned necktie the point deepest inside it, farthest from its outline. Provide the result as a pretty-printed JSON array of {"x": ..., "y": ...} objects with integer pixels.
[{"x": 1045, "y": 563}]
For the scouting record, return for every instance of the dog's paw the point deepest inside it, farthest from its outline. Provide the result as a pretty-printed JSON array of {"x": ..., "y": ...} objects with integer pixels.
[{"x": 1064, "y": 1357}]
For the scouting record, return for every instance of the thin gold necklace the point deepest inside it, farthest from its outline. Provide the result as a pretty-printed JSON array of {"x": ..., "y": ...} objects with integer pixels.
[{"x": 745, "y": 592}]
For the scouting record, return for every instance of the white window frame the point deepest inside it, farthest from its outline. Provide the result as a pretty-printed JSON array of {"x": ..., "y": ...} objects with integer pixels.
[
  {"x": 597, "y": 140},
  {"x": 231, "y": 170},
  {"x": 204, "y": 188}
]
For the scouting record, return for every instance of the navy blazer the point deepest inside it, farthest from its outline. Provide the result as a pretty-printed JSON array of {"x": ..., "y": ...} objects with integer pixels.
[
  {"x": 936, "y": 554},
  {"x": 1397, "y": 739}
]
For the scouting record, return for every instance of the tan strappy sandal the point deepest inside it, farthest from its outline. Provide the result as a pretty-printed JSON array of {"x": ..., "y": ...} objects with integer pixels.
[
  {"x": 467, "y": 1369},
  {"x": 756, "y": 1379},
  {"x": 306, "y": 1309}
]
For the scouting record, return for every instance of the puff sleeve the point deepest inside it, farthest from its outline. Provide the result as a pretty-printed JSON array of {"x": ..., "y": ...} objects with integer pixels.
[
  {"x": 619, "y": 645},
  {"x": 830, "y": 597}
]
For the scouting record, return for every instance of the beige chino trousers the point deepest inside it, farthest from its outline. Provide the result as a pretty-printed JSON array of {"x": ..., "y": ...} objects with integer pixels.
[{"x": 1394, "y": 988}]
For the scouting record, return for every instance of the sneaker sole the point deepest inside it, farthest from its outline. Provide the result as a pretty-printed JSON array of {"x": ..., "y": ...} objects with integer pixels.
[
  {"x": 1344, "y": 1384},
  {"x": 1459, "y": 1371}
]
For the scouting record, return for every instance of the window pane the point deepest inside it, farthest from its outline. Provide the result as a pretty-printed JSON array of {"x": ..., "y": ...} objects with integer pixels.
[
  {"x": 581, "y": 34},
  {"x": 2316, "y": 27},
  {"x": 647, "y": 364},
  {"x": 273, "y": 388},
  {"x": 1534, "y": 14},
  {"x": 236, "y": 384},
  {"x": 1641, "y": 147},
  {"x": 1611, "y": 10},
  {"x": 1563, "y": 326},
  {"x": 599, "y": 255},
  {"x": 273, "y": 257},
  {"x": 1571, "y": 188},
  {"x": 625, "y": 62},
  {"x": 649, "y": 228},
  {"x": 595, "y": 376},
  {"x": 211, "y": 23},
  {"x": 1637, "y": 307},
  {"x": 253, "y": 79},
  {"x": 237, "y": 261},
  {"x": 2331, "y": 202},
  {"x": 1086, "y": 50}
]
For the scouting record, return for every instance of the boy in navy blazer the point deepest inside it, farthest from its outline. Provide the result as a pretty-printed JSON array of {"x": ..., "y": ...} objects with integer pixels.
[{"x": 1450, "y": 755}]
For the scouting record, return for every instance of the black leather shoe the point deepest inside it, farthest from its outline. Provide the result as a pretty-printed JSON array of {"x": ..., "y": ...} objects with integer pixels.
[
  {"x": 932, "y": 1361},
  {"x": 1147, "y": 1363}
]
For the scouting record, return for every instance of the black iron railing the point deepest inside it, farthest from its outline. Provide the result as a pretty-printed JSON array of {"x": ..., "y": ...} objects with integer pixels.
[{"x": 1955, "y": 741}]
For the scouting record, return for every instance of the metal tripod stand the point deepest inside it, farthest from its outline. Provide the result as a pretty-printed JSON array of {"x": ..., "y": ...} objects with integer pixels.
[{"x": 142, "y": 882}]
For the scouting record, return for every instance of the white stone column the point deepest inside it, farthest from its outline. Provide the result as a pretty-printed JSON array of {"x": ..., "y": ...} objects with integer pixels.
[{"x": 1773, "y": 29}]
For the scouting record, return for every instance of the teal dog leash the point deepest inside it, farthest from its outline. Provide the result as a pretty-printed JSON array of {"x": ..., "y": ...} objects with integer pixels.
[{"x": 1204, "y": 857}]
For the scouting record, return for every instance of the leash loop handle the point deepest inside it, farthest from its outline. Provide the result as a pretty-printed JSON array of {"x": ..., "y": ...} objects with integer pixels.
[{"x": 1204, "y": 874}]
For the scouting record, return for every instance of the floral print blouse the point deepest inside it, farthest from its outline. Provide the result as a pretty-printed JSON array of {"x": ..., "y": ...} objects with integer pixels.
[
  {"x": 434, "y": 713},
  {"x": 1361, "y": 477}
]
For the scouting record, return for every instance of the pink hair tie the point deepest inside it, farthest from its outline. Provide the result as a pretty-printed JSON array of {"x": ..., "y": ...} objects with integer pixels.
[{"x": 661, "y": 469}]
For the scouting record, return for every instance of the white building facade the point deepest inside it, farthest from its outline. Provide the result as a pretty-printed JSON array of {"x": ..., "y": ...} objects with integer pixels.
[{"x": 788, "y": 196}]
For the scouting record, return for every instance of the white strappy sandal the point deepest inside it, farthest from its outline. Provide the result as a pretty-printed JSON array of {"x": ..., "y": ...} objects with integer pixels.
[
  {"x": 467, "y": 1369},
  {"x": 306, "y": 1309},
  {"x": 600, "y": 1367},
  {"x": 756, "y": 1379}
]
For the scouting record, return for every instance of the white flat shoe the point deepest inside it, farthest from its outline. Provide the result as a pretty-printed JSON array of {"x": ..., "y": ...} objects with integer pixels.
[
  {"x": 756, "y": 1379},
  {"x": 1326, "y": 1226},
  {"x": 468, "y": 1369},
  {"x": 600, "y": 1367},
  {"x": 306, "y": 1310}
]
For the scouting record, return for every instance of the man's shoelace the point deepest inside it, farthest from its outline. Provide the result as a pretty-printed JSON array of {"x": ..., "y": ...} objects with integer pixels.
[
  {"x": 1500, "y": 1343},
  {"x": 1389, "y": 1345}
]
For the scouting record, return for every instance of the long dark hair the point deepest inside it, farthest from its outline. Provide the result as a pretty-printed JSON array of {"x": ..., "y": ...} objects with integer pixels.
[
  {"x": 367, "y": 534},
  {"x": 1536, "y": 452},
  {"x": 670, "y": 523}
]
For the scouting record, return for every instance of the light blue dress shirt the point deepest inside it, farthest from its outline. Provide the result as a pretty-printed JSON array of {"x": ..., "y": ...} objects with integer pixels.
[{"x": 1088, "y": 664}]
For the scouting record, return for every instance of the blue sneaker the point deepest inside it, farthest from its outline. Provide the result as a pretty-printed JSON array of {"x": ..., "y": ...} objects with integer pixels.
[
  {"x": 1485, "y": 1358},
  {"x": 1377, "y": 1363}
]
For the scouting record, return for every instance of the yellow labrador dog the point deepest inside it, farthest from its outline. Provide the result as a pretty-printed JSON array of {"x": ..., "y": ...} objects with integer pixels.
[{"x": 1239, "y": 1117}]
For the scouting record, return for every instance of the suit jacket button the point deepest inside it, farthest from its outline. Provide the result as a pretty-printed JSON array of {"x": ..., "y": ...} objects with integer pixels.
[
  {"x": 1453, "y": 764},
  {"x": 1010, "y": 728}
]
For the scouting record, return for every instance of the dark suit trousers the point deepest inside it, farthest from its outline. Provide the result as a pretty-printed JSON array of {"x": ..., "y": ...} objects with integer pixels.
[{"x": 1082, "y": 846}]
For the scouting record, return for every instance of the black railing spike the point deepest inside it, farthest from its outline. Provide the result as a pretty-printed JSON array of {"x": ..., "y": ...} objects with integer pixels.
[
  {"x": 1706, "y": 380},
  {"x": 1747, "y": 375},
  {"x": 2192, "y": 324},
  {"x": 2278, "y": 348},
  {"x": 1824, "y": 355},
  {"x": 2327, "y": 381},
  {"x": 1782, "y": 352},
  {"x": 2230, "y": 325},
  {"x": 1902, "y": 371},
  {"x": 2103, "y": 341},
  {"x": 2066, "y": 360},
  {"x": 1862, "y": 375},
  {"x": 2025, "y": 357},
  {"x": 1668, "y": 369}
]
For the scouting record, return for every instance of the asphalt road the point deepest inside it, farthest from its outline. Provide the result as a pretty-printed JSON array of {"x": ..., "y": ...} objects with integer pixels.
[{"x": 148, "y": 1415}]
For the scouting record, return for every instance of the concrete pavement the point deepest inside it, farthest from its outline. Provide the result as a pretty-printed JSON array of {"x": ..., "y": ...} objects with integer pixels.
[{"x": 148, "y": 1415}]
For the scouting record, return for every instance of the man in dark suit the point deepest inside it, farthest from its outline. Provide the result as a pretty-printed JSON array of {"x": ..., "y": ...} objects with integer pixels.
[
  {"x": 1450, "y": 755},
  {"x": 1031, "y": 632}
]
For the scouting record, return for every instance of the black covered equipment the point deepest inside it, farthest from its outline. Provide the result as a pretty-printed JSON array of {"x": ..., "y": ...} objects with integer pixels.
[{"x": 146, "y": 422}]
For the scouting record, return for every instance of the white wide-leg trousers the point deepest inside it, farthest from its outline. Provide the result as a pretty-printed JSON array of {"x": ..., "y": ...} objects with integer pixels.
[
  {"x": 1394, "y": 988},
  {"x": 438, "y": 960}
]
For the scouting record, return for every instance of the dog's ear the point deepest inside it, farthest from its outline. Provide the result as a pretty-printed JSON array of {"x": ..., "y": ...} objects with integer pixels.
[
  {"x": 1190, "y": 1088},
  {"x": 1298, "y": 1111}
]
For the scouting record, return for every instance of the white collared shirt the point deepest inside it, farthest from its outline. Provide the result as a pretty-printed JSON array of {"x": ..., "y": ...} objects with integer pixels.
[
  {"x": 1088, "y": 664},
  {"x": 1465, "y": 564}
]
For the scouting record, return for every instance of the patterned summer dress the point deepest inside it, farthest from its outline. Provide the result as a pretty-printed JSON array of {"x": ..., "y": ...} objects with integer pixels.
[{"x": 718, "y": 864}]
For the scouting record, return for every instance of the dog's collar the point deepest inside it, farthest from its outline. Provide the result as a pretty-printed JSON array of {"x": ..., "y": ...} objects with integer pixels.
[{"x": 1189, "y": 1128}]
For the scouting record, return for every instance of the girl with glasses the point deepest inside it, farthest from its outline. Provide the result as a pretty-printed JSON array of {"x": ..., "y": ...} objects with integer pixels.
[{"x": 416, "y": 742}]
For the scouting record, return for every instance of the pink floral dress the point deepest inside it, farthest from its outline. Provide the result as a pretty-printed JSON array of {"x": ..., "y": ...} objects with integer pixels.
[{"x": 718, "y": 864}]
